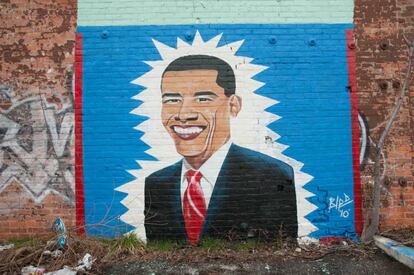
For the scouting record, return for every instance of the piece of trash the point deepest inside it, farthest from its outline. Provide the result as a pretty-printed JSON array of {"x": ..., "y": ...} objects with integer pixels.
[
  {"x": 85, "y": 263},
  {"x": 64, "y": 271},
  {"x": 7, "y": 246},
  {"x": 267, "y": 267},
  {"x": 344, "y": 243},
  {"x": 298, "y": 249},
  {"x": 332, "y": 240},
  {"x": 54, "y": 254},
  {"x": 32, "y": 270},
  {"x": 59, "y": 227}
]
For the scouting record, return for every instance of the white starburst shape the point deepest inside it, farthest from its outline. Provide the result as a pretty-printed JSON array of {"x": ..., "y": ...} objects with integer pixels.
[{"x": 248, "y": 130}]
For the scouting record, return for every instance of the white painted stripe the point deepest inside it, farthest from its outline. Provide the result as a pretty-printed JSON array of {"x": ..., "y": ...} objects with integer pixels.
[{"x": 167, "y": 12}]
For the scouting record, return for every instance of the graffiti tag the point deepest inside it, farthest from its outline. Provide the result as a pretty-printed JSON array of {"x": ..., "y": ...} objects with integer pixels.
[
  {"x": 35, "y": 139},
  {"x": 340, "y": 204}
]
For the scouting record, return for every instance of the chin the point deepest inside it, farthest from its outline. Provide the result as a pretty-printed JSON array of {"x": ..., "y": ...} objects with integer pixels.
[
  {"x": 191, "y": 150},
  {"x": 190, "y": 153}
]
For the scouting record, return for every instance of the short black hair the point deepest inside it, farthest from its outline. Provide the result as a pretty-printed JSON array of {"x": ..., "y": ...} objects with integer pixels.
[{"x": 225, "y": 76}]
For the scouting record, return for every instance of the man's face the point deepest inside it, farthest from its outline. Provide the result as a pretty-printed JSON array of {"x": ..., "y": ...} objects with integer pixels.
[{"x": 196, "y": 112}]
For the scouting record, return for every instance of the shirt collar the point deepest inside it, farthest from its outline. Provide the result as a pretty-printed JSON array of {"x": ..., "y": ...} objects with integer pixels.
[{"x": 211, "y": 168}]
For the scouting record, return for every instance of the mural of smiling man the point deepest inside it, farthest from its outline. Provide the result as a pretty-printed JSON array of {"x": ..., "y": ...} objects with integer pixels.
[
  {"x": 218, "y": 189},
  {"x": 230, "y": 124}
]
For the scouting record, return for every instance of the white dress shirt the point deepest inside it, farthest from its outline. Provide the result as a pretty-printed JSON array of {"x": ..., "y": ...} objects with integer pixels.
[{"x": 210, "y": 171}]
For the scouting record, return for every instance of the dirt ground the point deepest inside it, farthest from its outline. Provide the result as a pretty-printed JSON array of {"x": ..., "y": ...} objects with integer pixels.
[
  {"x": 128, "y": 255},
  {"x": 335, "y": 263}
]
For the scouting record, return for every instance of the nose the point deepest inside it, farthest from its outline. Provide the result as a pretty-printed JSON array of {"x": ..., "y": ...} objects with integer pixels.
[{"x": 186, "y": 112}]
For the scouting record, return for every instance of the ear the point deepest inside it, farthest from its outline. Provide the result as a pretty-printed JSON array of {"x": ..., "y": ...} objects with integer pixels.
[{"x": 235, "y": 105}]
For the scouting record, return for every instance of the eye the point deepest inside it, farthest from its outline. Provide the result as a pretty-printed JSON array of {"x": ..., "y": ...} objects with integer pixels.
[
  {"x": 203, "y": 99},
  {"x": 172, "y": 100}
]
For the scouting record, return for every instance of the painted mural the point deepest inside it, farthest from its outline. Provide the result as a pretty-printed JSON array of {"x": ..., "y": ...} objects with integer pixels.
[
  {"x": 233, "y": 131},
  {"x": 209, "y": 111}
]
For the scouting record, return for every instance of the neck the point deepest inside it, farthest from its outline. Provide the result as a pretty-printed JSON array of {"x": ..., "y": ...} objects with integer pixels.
[{"x": 195, "y": 162}]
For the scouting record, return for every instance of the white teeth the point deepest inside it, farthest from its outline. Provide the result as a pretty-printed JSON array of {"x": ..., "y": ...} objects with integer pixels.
[{"x": 187, "y": 130}]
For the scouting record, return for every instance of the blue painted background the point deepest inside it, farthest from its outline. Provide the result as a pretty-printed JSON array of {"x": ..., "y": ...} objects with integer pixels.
[{"x": 309, "y": 81}]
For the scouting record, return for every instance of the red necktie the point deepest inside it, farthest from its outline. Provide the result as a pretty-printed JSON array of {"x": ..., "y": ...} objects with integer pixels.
[{"x": 194, "y": 206}]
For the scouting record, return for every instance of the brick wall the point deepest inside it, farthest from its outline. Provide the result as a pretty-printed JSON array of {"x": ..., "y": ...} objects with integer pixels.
[
  {"x": 37, "y": 40},
  {"x": 382, "y": 59},
  {"x": 37, "y": 66}
]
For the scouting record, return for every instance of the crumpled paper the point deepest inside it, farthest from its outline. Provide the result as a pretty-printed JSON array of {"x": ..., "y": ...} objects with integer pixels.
[
  {"x": 7, "y": 246},
  {"x": 32, "y": 270},
  {"x": 54, "y": 254},
  {"x": 64, "y": 271},
  {"x": 83, "y": 265}
]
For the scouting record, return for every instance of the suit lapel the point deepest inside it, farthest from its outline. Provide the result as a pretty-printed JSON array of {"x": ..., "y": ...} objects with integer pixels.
[
  {"x": 176, "y": 201},
  {"x": 220, "y": 191}
]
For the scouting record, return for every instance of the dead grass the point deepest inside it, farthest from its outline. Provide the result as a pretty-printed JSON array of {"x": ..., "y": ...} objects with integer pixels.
[
  {"x": 129, "y": 248},
  {"x": 105, "y": 251},
  {"x": 403, "y": 235}
]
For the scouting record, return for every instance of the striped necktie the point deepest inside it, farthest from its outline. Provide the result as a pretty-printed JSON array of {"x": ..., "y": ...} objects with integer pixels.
[{"x": 194, "y": 206}]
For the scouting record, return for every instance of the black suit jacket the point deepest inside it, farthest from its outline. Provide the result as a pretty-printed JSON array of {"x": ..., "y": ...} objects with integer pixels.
[{"x": 254, "y": 196}]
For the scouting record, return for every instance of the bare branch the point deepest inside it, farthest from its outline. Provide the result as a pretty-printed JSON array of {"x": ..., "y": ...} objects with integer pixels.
[
  {"x": 372, "y": 228},
  {"x": 406, "y": 39},
  {"x": 400, "y": 100}
]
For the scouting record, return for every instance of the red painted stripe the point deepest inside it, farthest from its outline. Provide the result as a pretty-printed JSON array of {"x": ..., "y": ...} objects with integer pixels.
[
  {"x": 80, "y": 193},
  {"x": 351, "y": 60}
]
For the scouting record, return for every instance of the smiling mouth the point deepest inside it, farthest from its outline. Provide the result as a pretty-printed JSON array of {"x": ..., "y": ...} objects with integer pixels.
[{"x": 187, "y": 132}]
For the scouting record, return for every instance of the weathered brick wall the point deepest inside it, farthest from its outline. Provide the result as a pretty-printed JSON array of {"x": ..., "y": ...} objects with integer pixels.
[
  {"x": 382, "y": 59},
  {"x": 37, "y": 40},
  {"x": 37, "y": 65}
]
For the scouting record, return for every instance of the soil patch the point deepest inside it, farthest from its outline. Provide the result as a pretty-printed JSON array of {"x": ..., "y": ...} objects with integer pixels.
[
  {"x": 127, "y": 255},
  {"x": 334, "y": 263}
]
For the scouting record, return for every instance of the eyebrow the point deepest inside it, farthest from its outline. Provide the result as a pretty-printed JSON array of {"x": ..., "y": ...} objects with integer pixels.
[
  {"x": 170, "y": 94},
  {"x": 204, "y": 93}
]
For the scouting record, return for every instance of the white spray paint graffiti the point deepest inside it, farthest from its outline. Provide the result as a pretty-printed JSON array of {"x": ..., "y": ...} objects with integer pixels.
[
  {"x": 363, "y": 139},
  {"x": 35, "y": 142},
  {"x": 339, "y": 204}
]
